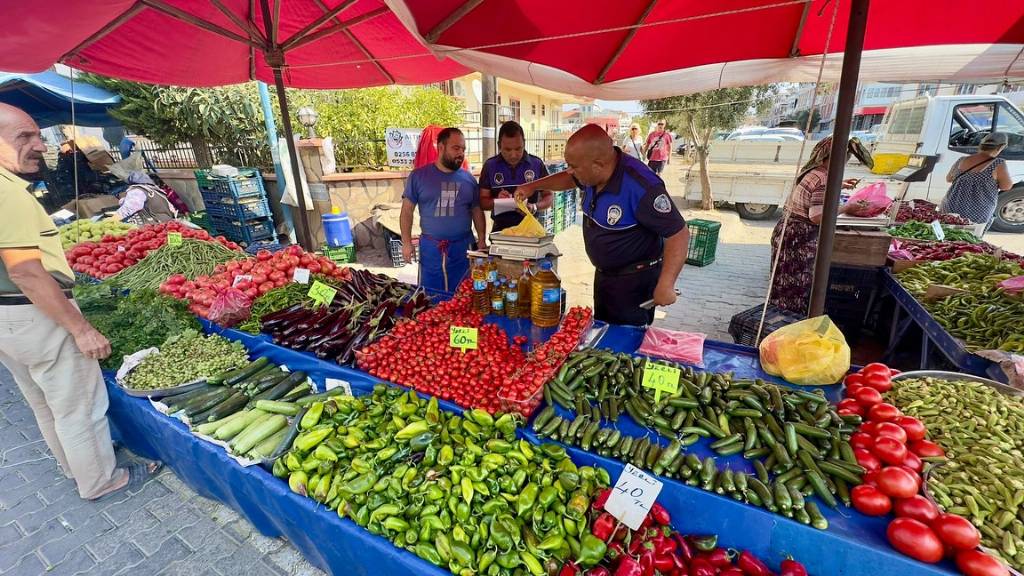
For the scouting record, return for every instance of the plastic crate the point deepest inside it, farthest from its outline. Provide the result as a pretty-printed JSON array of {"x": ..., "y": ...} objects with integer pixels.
[
  {"x": 341, "y": 254},
  {"x": 244, "y": 232},
  {"x": 247, "y": 184},
  {"x": 703, "y": 241},
  {"x": 268, "y": 246},
  {"x": 245, "y": 209},
  {"x": 395, "y": 249},
  {"x": 743, "y": 326}
]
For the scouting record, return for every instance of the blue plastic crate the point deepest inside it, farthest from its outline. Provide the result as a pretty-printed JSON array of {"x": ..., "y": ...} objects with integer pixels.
[
  {"x": 271, "y": 246},
  {"x": 247, "y": 184},
  {"x": 244, "y": 232},
  {"x": 244, "y": 209}
]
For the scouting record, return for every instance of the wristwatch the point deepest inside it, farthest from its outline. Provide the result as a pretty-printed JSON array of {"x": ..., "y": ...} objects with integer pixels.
[{"x": 532, "y": 207}]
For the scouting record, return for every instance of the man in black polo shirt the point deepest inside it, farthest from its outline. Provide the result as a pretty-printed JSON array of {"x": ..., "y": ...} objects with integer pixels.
[{"x": 632, "y": 230}]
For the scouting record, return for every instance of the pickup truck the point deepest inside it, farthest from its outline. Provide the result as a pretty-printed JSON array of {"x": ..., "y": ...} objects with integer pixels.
[{"x": 934, "y": 130}]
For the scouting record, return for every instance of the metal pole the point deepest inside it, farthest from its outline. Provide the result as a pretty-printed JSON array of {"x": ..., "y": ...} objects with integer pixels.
[
  {"x": 301, "y": 225},
  {"x": 837, "y": 160},
  {"x": 488, "y": 112},
  {"x": 268, "y": 122}
]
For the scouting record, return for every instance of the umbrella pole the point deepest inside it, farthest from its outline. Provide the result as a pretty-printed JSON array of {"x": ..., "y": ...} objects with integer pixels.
[
  {"x": 301, "y": 224},
  {"x": 837, "y": 160}
]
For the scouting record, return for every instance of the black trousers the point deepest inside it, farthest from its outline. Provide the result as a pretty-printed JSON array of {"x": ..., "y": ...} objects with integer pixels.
[
  {"x": 656, "y": 165},
  {"x": 617, "y": 299}
]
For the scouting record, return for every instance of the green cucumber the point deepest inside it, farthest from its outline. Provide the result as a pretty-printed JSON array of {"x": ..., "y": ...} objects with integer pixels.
[
  {"x": 286, "y": 408},
  {"x": 281, "y": 387},
  {"x": 266, "y": 448},
  {"x": 210, "y": 427},
  {"x": 208, "y": 403},
  {"x": 229, "y": 377},
  {"x": 232, "y": 428},
  {"x": 231, "y": 405},
  {"x": 258, "y": 433}
]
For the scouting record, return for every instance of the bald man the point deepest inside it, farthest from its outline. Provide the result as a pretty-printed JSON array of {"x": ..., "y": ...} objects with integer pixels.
[
  {"x": 45, "y": 342},
  {"x": 633, "y": 232}
]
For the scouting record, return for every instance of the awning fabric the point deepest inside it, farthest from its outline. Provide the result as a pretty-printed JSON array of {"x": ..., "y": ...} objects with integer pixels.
[
  {"x": 47, "y": 97},
  {"x": 870, "y": 110}
]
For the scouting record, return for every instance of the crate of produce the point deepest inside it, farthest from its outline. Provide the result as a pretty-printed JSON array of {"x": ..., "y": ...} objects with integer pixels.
[
  {"x": 244, "y": 232},
  {"x": 247, "y": 184},
  {"x": 703, "y": 241},
  {"x": 743, "y": 326},
  {"x": 341, "y": 254},
  {"x": 201, "y": 219},
  {"x": 244, "y": 209}
]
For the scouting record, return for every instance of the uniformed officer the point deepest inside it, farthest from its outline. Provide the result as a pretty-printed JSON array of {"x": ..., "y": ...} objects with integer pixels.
[
  {"x": 504, "y": 171},
  {"x": 632, "y": 230}
]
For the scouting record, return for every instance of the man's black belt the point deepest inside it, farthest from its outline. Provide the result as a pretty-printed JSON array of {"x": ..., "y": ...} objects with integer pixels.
[
  {"x": 631, "y": 268},
  {"x": 21, "y": 299}
]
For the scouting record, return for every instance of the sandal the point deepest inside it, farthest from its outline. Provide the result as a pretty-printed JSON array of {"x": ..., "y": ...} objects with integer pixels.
[{"x": 138, "y": 474}]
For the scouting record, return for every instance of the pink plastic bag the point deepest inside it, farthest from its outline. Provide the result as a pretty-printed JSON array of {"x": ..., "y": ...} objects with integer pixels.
[
  {"x": 1012, "y": 285},
  {"x": 230, "y": 307},
  {"x": 868, "y": 201},
  {"x": 683, "y": 347}
]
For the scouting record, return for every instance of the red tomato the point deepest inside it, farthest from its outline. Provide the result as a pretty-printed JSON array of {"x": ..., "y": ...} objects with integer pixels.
[
  {"x": 850, "y": 390},
  {"x": 956, "y": 531},
  {"x": 883, "y": 412},
  {"x": 851, "y": 405},
  {"x": 265, "y": 287},
  {"x": 915, "y": 539},
  {"x": 977, "y": 563},
  {"x": 889, "y": 450},
  {"x": 875, "y": 368},
  {"x": 871, "y": 477},
  {"x": 868, "y": 397},
  {"x": 917, "y": 507},
  {"x": 860, "y": 440},
  {"x": 264, "y": 255},
  {"x": 926, "y": 448},
  {"x": 868, "y": 500},
  {"x": 869, "y": 428},
  {"x": 866, "y": 459},
  {"x": 897, "y": 482},
  {"x": 912, "y": 426},
  {"x": 890, "y": 430},
  {"x": 913, "y": 462},
  {"x": 880, "y": 382},
  {"x": 854, "y": 379}
]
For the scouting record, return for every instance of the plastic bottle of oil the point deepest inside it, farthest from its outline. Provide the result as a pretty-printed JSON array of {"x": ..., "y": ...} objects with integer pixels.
[
  {"x": 545, "y": 297},
  {"x": 512, "y": 300},
  {"x": 524, "y": 290},
  {"x": 498, "y": 298},
  {"x": 481, "y": 296}
]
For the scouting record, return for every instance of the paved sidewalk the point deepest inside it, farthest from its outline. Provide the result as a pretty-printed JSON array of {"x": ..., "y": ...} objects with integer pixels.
[{"x": 165, "y": 528}]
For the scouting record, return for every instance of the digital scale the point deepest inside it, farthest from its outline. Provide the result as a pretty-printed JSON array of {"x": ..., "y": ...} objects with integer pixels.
[{"x": 523, "y": 248}]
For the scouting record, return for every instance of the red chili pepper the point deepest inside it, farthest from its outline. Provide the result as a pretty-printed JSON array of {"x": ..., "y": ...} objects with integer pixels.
[
  {"x": 679, "y": 564},
  {"x": 647, "y": 559},
  {"x": 751, "y": 565},
  {"x": 664, "y": 564},
  {"x": 700, "y": 567},
  {"x": 684, "y": 547},
  {"x": 660, "y": 515},
  {"x": 731, "y": 571},
  {"x": 615, "y": 551},
  {"x": 635, "y": 546},
  {"x": 602, "y": 498},
  {"x": 652, "y": 533},
  {"x": 628, "y": 567},
  {"x": 603, "y": 526},
  {"x": 719, "y": 557},
  {"x": 664, "y": 546},
  {"x": 647, "y": 522},
  {"x": 598, "y": 571},
  {"x": 569, "y": 569},
  {"x": 791, "y": 567}
]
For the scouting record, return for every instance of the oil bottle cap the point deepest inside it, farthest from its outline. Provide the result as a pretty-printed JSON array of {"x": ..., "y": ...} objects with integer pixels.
[{"x": 545, "y": 265}]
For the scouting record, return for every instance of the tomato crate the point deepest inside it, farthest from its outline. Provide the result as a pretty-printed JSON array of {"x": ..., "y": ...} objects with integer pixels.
[
  {"x": 703, "y": 241},
  {"x": 247, "y": 184},
  {"x": 244, "y": 232},
  {"x": 244, "y": 209}
]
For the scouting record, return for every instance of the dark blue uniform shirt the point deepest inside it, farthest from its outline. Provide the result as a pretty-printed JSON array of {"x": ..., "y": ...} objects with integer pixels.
[
  {"x": 628, "y": 220},
  {"x": 498, "y": 175}
]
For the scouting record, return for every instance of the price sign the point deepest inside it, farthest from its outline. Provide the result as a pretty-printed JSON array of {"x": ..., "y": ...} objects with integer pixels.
[
  {"x": 241, "y": 278},
  {"x": 661, "y": 378},
  {"x": 301, "y": 275},
  {"x": 121, "y": 249},
  {"x": 940, "y": 234},
  {"x": 463, "y": 337},
  {"x": 633, "y": 496},
  {"x": 322, "y": 293},
  {"x": 174, "y": 238},
  {"x": 332, "y": 383}
]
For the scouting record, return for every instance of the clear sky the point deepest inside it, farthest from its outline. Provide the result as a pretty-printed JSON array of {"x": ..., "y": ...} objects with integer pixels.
[{"x": 623, "y": 105}]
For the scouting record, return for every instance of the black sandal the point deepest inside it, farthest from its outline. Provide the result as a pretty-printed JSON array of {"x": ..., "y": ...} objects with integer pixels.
[{"x": 138, "y": 474}]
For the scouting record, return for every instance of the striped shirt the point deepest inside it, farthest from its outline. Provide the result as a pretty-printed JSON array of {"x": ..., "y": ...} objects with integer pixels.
[{"x": 808, "y": 193}]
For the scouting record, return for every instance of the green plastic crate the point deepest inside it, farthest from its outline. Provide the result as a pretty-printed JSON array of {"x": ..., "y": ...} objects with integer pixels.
[
  {"x": 703, "y": 241},
  {"x": 341, "y": 254}
]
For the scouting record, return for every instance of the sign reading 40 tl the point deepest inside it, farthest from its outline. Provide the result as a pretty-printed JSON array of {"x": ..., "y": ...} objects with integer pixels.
[{"x": 401, "y": 145}]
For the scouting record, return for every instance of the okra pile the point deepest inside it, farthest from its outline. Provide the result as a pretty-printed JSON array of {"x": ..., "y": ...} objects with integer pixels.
[
  {"x": 458, "y": 491},
  {"x": 186, "y": 357},
  {"x": 982, "y": 432},
  {"x": 796, "y": 441}
]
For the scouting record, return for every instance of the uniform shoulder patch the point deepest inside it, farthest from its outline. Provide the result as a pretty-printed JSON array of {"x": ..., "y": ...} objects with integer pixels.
[
  {"x": 614, "y": 214},
  {"x": 529, "y": 175},
  {"x": 663, "y": 204},
  {"x": 499, "y": 178}
]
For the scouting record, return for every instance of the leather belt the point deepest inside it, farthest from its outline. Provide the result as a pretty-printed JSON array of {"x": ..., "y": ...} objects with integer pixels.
[
  {"x": 22, "y": 300},
  {"x": 632, "y": 268}
]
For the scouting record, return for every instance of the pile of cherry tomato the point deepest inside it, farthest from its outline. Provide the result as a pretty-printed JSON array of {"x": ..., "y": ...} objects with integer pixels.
[
  {"x": 115, "y": 253},
  {"x": 892, "y": 448}
]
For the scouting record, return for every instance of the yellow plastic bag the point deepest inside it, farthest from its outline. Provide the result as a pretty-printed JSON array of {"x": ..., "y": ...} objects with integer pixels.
[
  {"x": 812, "y": 352},
  {"x": 529, "y": 227}
]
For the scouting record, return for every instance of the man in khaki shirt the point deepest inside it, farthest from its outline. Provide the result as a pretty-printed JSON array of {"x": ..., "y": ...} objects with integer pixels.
[{"x": 48, "y": 346}]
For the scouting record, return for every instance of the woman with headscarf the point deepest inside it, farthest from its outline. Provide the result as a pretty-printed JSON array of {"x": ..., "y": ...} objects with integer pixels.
[
  {"x": 143, "y": 202},
  {"x": 795, "y": 252}
]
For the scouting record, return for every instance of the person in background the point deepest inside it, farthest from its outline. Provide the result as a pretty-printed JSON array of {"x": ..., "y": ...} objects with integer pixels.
[
  {"x": 658, "y": 148},
  {"x": 632, "y": 143},
  {"x": 449, "y": 203},
  {"x": 50, "y": 349},
  {"x": 143, "y": 202},
  {"x": 504, "y": 171},
  {"x": 632, "y": 230},
  {"x": 976, "y": 181},
  {"x": 795, "y": 252}
]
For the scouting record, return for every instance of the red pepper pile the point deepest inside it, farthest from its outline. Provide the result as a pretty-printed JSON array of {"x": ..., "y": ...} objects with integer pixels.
[
  {"x": 904, "y": 249},
  {"x": 115, "y": 253},
  {"x": 890, "y": 446},
  {"x": 658, "y": 549},
  {"x": 923, "y": 211}
]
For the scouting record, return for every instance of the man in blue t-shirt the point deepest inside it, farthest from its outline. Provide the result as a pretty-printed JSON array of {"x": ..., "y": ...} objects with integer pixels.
[
  {"x": 449, "y": 203},
  {"x": 504, "y": 171},
  {"x": 632, "y": 230}
]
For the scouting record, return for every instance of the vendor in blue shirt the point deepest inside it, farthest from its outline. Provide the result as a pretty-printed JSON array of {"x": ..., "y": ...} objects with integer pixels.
[
  {"x": 511, "y": 167},
  {"x": 632, "y": 230},
  {"x": 449, "y": 203}
]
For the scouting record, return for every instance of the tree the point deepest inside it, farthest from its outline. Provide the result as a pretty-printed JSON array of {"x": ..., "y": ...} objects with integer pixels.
[
  {"x": 800, "y": 118},
  {"x": 699, "y": 116},
  {"x": 224, "y": 119}
]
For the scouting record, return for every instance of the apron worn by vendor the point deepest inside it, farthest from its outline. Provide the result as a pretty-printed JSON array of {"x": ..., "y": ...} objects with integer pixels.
[{"x": 624, "y": 230}]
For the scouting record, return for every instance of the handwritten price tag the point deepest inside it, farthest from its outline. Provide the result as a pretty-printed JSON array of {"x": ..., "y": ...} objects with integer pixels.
[
  {"x": 940, "y": 234},
  {"x": 322, "y": 293},
  {"x": 174, "y": 238},
  {"x": 633, "y": 496},
  {"x": 332, "y": 383},
  {"x": 301, "y": 275},
  {"x": 661, "y": 378},
  {"x": 463, "y": 337}
]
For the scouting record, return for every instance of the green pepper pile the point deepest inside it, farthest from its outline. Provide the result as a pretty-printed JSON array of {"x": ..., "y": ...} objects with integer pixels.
[
  {"x": 971, "y": 272},
  {"x": 924, "y": 231},
  {"x": 458, "y": 491}
]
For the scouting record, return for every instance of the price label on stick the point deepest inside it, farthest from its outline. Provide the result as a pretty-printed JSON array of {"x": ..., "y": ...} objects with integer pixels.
[
  {"x": 301, "y": 275},
  {"x": 322, "y": 293},
  {"x": 174, "y": 238},
  {"x": 940, "y": 234},
  {"x": 632, "y": 497},
  {"x": 661, "y": 378},
  {"x": 463, "y": 337}
]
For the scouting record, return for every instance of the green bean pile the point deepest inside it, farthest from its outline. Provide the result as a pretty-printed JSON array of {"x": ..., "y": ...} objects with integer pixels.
[
  {"x": 972, "y": 272},
  {"x": 985, "y": 321},
  {"x": 982, "y": 432},
  {"x": 191, "y": 258},
  {"x": 277, "y": 299},
  {"x": 186, "y": 357}
]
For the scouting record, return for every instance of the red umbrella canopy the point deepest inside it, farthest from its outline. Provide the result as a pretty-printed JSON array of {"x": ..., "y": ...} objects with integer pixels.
[
  {"x": 325, "y": 43},
  {"x": 650, "y": 48}
]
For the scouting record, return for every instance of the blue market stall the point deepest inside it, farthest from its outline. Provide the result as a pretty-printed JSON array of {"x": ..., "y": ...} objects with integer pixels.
[{"x": 48, "y": 96}]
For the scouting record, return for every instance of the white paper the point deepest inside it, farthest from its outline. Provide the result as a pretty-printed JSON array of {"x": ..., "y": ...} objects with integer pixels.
[
  {"x": 937, "y": 229},
  {"x": 240, "y": 278},
  {"x": 301, "y": 275},
  {"x": 502, "y": 205},
  {"x": 332, "y": 383},
  {"x": 133, "y": 360},
  {"x": 62, "y": 214},
  {"x": 633, "y": 496}
]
